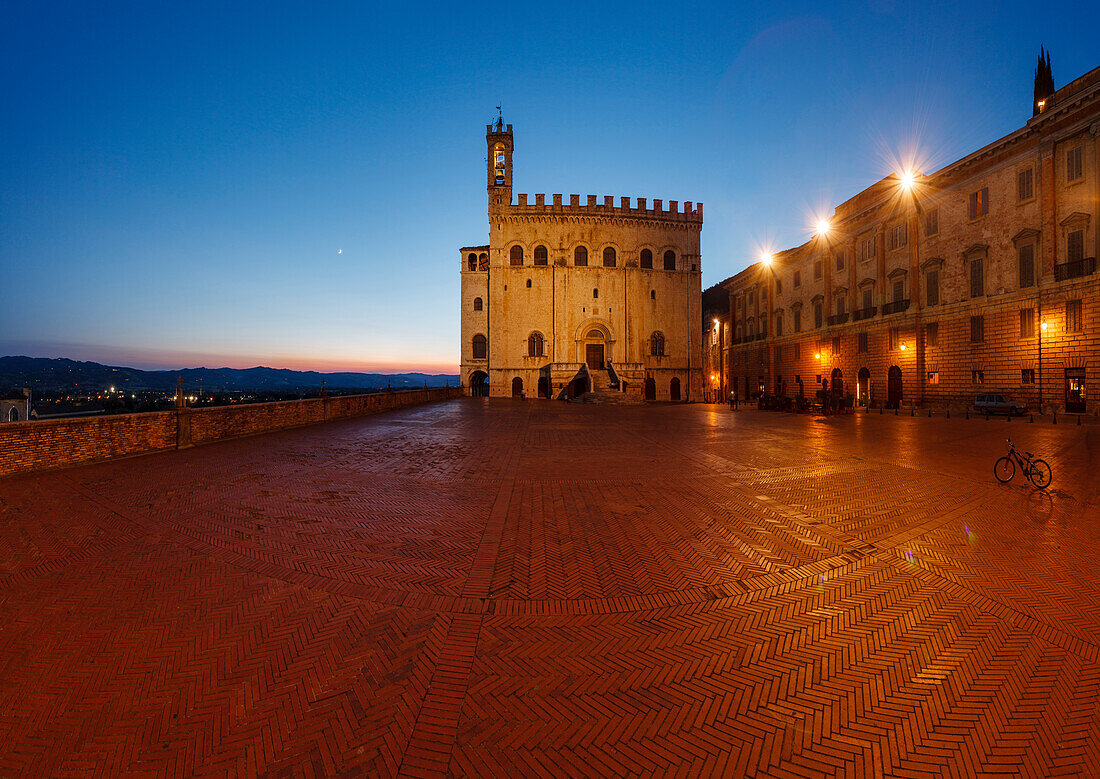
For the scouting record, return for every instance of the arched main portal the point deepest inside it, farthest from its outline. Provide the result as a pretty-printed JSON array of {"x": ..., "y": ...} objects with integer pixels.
[
  {"x": 674, "y": 388},
  {"x": 479, "y": 384},
  {"x": 13, "y": 414},
  {"x": 838, "y": 381},
  {"x": 893, "y": 387},
  {"x": 544, "y": 387},
  {"x": 863, "y": 387},
  {"x": 594, "y": 348},
  {"x": 517, "y": 387},
  {"x": 650, "y": 389}
]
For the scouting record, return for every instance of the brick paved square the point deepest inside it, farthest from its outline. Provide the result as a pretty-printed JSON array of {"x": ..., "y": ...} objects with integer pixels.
[{"x": 486, "y": 587}]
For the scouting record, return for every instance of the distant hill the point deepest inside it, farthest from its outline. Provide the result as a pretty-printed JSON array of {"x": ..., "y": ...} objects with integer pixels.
[{"x": 61, "y": 374}]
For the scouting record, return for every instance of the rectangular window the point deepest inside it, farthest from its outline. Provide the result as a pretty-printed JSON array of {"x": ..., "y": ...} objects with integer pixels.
[
  {"x": 979, "y": 203},
  {"x": 761, "y": 356},
  {"x": 817, "y": 269},
  {"x": 932, "y": 222},
  {"x": 778, "y": 325},
  {"x": 1075, "y": 169},
  {"x": 779, "y": 286},
  {"x": 1027, "y": 375},
  {"x": 1075, "y": 246},
  {"x": 841, "y": 305},
  {"x": 798, "y": 320},
  {"x": 978, "y": 377},
  {"x": 932, "y": 334},
  {"x": 933, "y": 377},
  {"x": 1026, "y": 256},
  {"x": 868, "y": 297},
  {"x": 898, "y": 236},
  {"x": 863, "y": 343},
  {"x": 836, "y": 344},
  {"x": 1073, "y": 316},
  {"x": 840, "y": 260},
  {"x": 817, "y": 313},
  {"x": 797, "y": 279},
  {"x": 867, "y": 248},
  {"x": 1025, "y": 185},
  {"x": 1027, "y": 322},
  {"x": 932, "y": 287},
  {"x": 778, "y": 353},
  {"x": 977, "y": 329},
  {"x": 750, "y": 298},
  {"x": 894, "y": 338},
  {"x": 797, "y": 353},
  {"x": 977, "y": 278},
  {"x": 899, "y": 290}
]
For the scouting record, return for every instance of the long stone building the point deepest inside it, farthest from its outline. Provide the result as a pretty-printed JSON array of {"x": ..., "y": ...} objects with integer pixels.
[
  {"x": 930, "y": 290},
  {"x": 567, "y": 298}
]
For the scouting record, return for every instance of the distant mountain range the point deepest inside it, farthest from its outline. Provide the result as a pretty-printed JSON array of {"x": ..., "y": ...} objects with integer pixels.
[{"x": 61, "y": 374}]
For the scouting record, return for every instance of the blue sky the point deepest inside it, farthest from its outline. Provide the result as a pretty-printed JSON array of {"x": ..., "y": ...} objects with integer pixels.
[{"x": 287, "y": 184}]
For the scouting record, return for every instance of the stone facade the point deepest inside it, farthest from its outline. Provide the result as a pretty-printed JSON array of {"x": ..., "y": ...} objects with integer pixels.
[
  {"x": 978, "y": 278},
  {"x": 570, "y": 297}
]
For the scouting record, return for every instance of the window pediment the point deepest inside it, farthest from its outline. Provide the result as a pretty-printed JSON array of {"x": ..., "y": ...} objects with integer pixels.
[
  {"x": 796, "y": 306},
  {"x": 897, "y": 273},
  {"x": 837, "y": 291},
  {"x": 932, "y": 263},
  {"x": 1077, "y": 218},
  {"x": 1027, "y": 235},
  {"x": 866, "y": 283},
  {"x": 975, "y": 250},
  {"x": 817, "y": 299}
]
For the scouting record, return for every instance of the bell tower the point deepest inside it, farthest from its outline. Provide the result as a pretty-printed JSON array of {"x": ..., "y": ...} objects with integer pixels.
[{"x": 498, "y": 138}]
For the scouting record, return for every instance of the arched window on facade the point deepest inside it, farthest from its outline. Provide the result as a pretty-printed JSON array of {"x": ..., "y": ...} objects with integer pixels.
[
  {"x": 540, "y": 255},
  {"x": 481, "y": 347},
  {"x": 483, "y": 261},
  {"x": 528, "y": 283},
  {"x": 517, "y": 255},
  {"x": 749, "y": 331},
  {"x": 534, "y": 345},
  {"x": 595, "y": 293},
  {"x": 471, "y": 262},
  {"x": 670, "y": 260},
  {"x": 778, "y": 324},
  {"x": 580, "y": 256},
  {"x": 13, "y": 414},
  {"x": 653, "y": 294},
  {"x": 477, "y": 304},
  {"x": 645, "y": 260},
  {"x": 657, "y": 345},
  {"x": 609, "y": 257},
  {"x": 498, "y": 164}
]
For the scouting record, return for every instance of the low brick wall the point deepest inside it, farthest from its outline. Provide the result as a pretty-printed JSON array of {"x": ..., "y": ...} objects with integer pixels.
[{"x": 58, "y": 443}]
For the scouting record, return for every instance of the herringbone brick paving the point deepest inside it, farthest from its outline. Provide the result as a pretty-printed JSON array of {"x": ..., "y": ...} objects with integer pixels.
[{"x": 492, "y": 587}]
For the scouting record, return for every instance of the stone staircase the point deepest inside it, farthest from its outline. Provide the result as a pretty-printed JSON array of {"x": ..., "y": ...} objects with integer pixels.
[{"x": 605, "y": 390}]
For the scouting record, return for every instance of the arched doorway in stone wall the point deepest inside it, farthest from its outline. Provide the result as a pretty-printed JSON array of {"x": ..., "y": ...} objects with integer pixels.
[
  {"x": 674, "y": 388},
  {"x": 863, "y": 387},
  {"x": 893, "y": 387},
  {"x": 479, "y": 384},
  {"x": 650, "y": 389},
  {"x": 517, "y": 387},
  {"x": 544, "y": 387}
]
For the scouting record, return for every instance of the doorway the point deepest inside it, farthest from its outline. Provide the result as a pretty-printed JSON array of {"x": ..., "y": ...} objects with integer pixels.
[
  {"x": 863, "y": 387},
  {"x": 578, "y": 387},
  {"x": 1075, "y": 390},
  {"x": 517, "y": 387},
  {"x": 593, "y": 356},
  {"x": 544, "y": 387},
  {"x": 838, "y": 382},
  {"x": 479, "y": 384},
  {"x": 674, "y": 388},
  {"x": 893, "y": 387},
  {"x": 650, "y": 389}
]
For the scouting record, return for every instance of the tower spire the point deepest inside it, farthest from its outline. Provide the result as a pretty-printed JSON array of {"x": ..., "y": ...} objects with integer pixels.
[{"x": 1044, "y": 84}]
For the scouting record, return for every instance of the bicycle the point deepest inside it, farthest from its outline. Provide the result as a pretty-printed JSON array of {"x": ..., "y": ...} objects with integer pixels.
[{"x": 1036, "y": 470}]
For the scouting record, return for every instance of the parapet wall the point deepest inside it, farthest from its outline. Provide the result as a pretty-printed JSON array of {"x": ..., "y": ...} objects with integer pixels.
[
  {"x": 58, "y": 443},
  {"x": 692, "y": 212}
]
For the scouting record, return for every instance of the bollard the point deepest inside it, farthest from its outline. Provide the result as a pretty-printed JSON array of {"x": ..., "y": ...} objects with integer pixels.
[
  {"x": 1055, "y": 417},
  {"x": 948, "y": 412},
  {"x": 1008, "y": 417},
  {"x": 912, "y": 411},
  {"x": 968, "y": 413},
  {"x": 1032, "y": 418},
  {"x": 1078, "y": 420},
  {"x": 929, "y": 413},
  {"x": 880, "y": 411}
]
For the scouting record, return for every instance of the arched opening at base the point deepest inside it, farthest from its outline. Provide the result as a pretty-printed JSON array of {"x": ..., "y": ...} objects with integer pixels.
[
  {"x": 578, "y": 387},
  {"x": 517, "y": 387},
  {"x": 650, "y": 389},
  {"x": 544, "y": 387},
  {"x": 863, "y": 387},
  {"x": 479, "y": 384},
  {"x": 893, "y": 387},
  {"x": 674, "y": 388}
]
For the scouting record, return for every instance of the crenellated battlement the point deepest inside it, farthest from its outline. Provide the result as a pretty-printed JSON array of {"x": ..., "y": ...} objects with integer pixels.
[{"x": 691, "y": 212}]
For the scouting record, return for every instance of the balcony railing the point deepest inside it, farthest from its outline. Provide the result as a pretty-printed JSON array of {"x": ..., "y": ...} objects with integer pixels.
[
  {"x": 1076, "y": 269},
  {"x": 864, "y": 313},
  {"x": 838, "y": 319},
  {"x": 894, "y": 307}
]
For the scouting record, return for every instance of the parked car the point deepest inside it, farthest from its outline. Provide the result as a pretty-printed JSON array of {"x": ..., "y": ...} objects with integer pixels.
[{"x": 997, "y": 404}]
